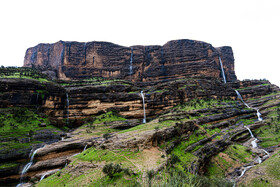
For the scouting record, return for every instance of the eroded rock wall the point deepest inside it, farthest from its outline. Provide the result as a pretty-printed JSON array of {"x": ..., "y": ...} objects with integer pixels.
[
  {"x": 175, "y": 59},
  {"x": 90, "y": 99}
]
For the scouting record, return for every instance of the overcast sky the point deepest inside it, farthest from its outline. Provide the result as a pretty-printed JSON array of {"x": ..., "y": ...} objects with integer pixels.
[{"x": 250, "y": 27}]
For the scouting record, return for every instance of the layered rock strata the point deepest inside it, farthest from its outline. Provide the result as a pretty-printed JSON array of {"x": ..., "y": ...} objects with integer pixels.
[
  {"x": 175, "y": 59},
  {"x": 125, "y": 98}
]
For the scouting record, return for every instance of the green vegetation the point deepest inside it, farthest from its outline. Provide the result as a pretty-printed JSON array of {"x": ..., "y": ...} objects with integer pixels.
[
  {"x": 20, "y": 123},
  {"x": 246, "y": 121},
  {"x": 252, "y": 87},
  {"x": 108, "y": 117},
  {"x": 196, "y": 104},
  {"x": 150, "y": 126},
  {"x": 186, "y": 158},
  {"x": 99, "y": 125},
  {"x": 269, "y": 134},
  {"x": 22, "y": 72},
  {"x": 7, "y": 165},
  {"x": 270, "y": 173},
  {"x": 234, "y": 155}
]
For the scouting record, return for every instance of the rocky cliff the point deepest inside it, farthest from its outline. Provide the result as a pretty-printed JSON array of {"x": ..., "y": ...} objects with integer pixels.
[{"x": 175, "y": 59}]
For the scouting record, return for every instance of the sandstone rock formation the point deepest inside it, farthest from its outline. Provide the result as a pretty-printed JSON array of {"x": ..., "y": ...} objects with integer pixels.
[
  {"x": 175, "y": 59},
  {"x": 123, "y": 97}
]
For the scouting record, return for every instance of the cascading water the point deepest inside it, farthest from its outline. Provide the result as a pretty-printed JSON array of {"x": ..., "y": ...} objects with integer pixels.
[
  {"x": 27, "y": 166},
  {"x": 244, "y": 170},
  {"x": 85, "y": 148},
  {"x": 43, "y": 176},
  {"x": 67, "y": 108},
  {"x": 259, "y": 115},
  {"x": 240, "y": 97},
  {"x": 254, "y": 145},
  {"x": 254, "y": 142},
  {"x": 143, "y": 99},
  {"x": 131, "y": 60},
  {"x": 222, "y": 69}
]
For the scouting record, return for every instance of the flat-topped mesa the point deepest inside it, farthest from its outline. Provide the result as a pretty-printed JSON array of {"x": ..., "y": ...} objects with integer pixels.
[{"x": 175, "y": 59}]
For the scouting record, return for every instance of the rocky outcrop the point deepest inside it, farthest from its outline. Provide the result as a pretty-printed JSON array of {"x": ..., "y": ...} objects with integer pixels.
[
  {"x": 175, "y": 59},
  {"x": 123, "y": 97}
]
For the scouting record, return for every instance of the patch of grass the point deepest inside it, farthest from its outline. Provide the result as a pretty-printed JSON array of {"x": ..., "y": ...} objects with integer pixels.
[
  {"x": 214, "y": 170},
  {"x": 108, "y": 117},
  {"x": 271, "y": 172},
  {"x": 234, "y": 155},
  {"x": 21, "y": 122},
  {"x": 186, "y": 157},
  {"x": 238, "y": 153},
  {"x": 22, "y": 72},
  {"x": 60, "y": 178},
  {"x": 259, "y": 85},
  {"x": 8, "y": 165},
  {"x": 150, "y": 126},
  {"x": 269, "y": 134},
  {"x": 17, "y": 125},
  {"x": 246, "y": 121},
  {"x": 196, "y": 104},
  {"x": 213, "y": 131},
  {"x": 116, "y": 156}
]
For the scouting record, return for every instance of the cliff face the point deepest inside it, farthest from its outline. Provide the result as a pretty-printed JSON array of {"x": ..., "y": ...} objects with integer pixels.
[{"x": 175, "y": 59}]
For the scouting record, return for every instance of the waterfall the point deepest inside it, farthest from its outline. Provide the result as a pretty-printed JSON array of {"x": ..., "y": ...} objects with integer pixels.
[
  {"x": 27, "y": 166},
  {"x": 254, "y": 145},
  {"x": 43, "y": 176},
  {"x": 67, "y": 108},
  {"x": 85, "y": 148},
  {"x": 259, "y": 115},
  {"x": 254, "y": 142},
  {"x": 222, "y": 69},
  {"x": 250, "y": 132},
  {"x": 143, "y": 98},
  {"x": 240, "y": 97},
  {"x": 245, "y": 169},
  {"x": 131, "y": 60}
]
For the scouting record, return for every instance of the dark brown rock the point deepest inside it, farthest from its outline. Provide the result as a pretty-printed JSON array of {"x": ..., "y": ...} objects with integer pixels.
[{"x": 175, "y": 59}]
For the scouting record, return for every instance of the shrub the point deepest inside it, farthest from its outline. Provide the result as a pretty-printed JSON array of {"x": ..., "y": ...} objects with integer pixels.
[
  {"x": 112, "y": 169},
  {"x": 106, "y": 136}
]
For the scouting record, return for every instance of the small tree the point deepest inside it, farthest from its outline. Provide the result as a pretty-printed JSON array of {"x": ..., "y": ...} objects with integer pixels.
[{"x": 112, "y": 169}]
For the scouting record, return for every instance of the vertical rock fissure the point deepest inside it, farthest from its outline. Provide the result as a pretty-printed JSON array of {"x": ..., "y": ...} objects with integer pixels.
[
  {"x": 67, "y": 109},
  {"x": 85, "y": 52}
]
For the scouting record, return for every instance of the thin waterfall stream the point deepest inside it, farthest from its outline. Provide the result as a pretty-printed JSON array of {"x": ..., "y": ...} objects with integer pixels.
[
  {"x": 27, "y": 166},
  {"x": 254, "y": 142},
  {"x": 254, "y": 146},
  {"x": 222, "y": 69},
  {"x": 131, "y": 61},
  {"x": 143, "y": 99},
  {"x": 240, "y": 97}
]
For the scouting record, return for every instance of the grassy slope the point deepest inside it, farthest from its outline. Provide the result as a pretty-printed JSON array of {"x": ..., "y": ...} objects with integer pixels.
[
  {"x": 134, "y": 161},
  {"x": 266, "y": 174},
  {"x": 234, "y": 155},
  {"x": 19, "y": 123}
]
